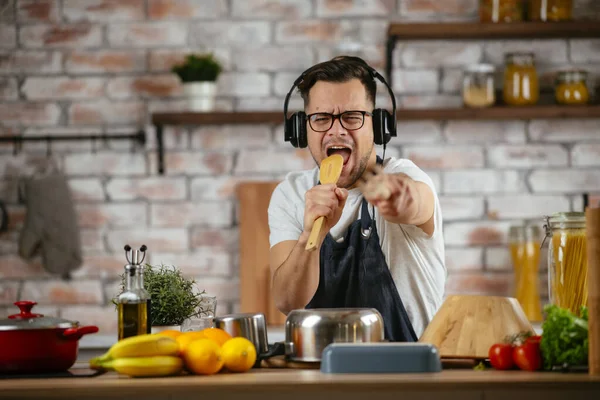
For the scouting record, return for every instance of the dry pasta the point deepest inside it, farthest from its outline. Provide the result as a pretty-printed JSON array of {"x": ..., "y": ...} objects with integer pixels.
[{"x": 568, "y": 274}]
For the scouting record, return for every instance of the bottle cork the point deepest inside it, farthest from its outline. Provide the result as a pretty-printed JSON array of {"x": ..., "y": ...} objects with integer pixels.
[{"x": 592, "y": 223}]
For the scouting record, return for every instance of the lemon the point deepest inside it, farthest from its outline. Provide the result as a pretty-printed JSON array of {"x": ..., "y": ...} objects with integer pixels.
[
  {"x": 186, "y": 338},
  {"x": 239, "y": 354},
  {"x": 203, "y": 357}
]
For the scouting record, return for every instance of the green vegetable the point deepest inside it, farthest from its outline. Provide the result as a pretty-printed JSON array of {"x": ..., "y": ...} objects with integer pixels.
[
  {"x": 198, "y": 68},
  {"x": 564, "y": 337}
]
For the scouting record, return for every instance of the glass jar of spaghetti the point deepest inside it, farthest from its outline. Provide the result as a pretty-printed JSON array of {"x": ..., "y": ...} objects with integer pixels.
[
  {"x": 501, "y": 10},
  {"x": 567, "y": 260},
  {"x": 521, "y": 85},
  {"x": 550, "y": 10}
]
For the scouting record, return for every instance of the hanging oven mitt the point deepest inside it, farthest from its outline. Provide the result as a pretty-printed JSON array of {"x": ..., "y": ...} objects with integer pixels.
[{"x": 51, "y": 225}]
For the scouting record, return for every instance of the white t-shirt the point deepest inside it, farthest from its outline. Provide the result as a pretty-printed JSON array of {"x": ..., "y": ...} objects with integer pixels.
[{"x": 416, "y": 261}]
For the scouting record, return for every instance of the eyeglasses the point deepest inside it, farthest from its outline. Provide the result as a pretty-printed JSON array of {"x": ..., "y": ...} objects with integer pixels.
[{"x": 350, "y": 120}]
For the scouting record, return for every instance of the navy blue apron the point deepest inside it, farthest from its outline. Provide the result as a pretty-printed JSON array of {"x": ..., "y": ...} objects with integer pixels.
[{"x": 354, "y": 273}]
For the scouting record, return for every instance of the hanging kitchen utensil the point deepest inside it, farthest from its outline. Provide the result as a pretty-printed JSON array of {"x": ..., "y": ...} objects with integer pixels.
[
  {"x": 34, "y": 343},
  {"x": 329, "y": 172}
]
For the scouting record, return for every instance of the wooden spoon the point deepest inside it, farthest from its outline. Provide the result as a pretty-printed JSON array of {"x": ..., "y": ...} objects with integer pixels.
[{"x": 329, "y": 172}]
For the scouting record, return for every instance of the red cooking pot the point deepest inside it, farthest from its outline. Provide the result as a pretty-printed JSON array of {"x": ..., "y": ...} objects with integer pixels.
[{"x": 34, "y": 343}]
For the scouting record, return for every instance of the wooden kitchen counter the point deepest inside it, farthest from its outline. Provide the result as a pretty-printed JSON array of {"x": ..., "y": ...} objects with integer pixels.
[{"x": 463, "y": 384}]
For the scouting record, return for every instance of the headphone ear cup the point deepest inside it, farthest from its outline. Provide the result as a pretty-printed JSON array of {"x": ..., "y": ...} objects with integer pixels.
[
  {"x": 295, "y": 129},
  {"x": 379, "y": 123},
  {"x": 301, "y": 123}
]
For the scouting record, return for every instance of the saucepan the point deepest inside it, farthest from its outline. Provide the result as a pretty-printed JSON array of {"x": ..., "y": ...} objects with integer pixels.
[
  {"x": 33, "y": 343},
  {"x": 307, "y": 331}
]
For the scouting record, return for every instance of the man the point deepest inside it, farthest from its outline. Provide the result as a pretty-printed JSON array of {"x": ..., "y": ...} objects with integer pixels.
[{"x": 386, "y": 253}]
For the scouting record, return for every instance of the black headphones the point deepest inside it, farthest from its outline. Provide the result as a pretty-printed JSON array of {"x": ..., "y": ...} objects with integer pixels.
[{"x": 295, "y": 126}]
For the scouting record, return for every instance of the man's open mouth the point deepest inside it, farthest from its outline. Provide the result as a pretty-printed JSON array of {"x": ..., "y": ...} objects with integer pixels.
[{"x": 344, "y": 151}]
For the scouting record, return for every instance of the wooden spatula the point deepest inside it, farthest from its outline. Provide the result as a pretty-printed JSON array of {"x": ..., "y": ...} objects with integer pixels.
[{"x": 329, "y": 172}]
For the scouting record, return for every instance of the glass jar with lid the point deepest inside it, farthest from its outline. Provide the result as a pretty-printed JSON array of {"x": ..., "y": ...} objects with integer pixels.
[
  {"x": 567, "y": 260},
  {"x": 521, "y": 84},
  {"x": 478, "y": 86},
  {"x": 571, "y": 87},
  {"x": 550, "y": 10},
  {"x": 501, "y": 10}
]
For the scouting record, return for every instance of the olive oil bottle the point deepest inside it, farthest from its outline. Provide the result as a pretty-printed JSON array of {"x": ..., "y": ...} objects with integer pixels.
[{"x": 132, "y": 304}]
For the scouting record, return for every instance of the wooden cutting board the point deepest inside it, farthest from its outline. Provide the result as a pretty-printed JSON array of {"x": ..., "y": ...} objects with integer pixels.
[{"x": 255, "y": 274}]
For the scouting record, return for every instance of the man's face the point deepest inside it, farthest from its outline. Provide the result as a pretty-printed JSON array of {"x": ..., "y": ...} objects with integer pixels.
[{"x": 356, "y": 146}]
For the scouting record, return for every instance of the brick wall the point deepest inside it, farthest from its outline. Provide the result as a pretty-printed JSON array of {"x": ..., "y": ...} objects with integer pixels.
[{"x": 102, "y": 66}]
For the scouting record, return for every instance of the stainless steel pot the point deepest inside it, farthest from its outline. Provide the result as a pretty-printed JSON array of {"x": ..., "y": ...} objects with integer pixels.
[
  {"x": 252, "y": 326},
  {"x": 309, "y": 331}
]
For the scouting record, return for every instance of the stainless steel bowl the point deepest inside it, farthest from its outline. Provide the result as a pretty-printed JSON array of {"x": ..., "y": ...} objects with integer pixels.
[
  {"x": 252, "y": 326},
  {"x": 309, "y": 331}
]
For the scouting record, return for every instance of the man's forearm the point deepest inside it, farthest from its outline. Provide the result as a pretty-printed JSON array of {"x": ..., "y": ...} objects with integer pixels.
[{"x": 296, "y": 280}]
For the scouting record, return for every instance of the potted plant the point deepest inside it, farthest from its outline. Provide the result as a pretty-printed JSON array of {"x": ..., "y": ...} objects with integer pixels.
[
  {"x": 174, "y": 297},
  {"x": 198, "y": 74}
]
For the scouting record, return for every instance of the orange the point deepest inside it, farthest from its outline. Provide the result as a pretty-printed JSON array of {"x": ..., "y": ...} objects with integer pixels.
[
  {"x": 216, "y": 334},
  {"x": 203, "y": 357},
  {"x": 239, "y": 354},
  {"x": 170, "y": 332},
  {"x": 186, "y": 338}
]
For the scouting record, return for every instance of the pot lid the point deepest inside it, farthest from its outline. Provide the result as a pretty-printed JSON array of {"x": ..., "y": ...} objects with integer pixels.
[{"x": 28, "y": 320}]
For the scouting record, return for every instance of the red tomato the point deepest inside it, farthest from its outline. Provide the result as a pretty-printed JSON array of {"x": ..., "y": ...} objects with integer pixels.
[
  {"x": 501, "y": 356},
  {"x": 528, "y": 356}
]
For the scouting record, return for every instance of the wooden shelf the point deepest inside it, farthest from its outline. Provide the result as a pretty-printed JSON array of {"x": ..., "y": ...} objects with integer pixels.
[
  {"x": 477, "y": 30},
  {"x": 199, "y": 118}
]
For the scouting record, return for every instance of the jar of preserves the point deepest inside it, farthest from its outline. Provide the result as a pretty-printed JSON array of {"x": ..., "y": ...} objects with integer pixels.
[
  {"x": 550, "y": 10},
  {"x": 571, "y": 87},
  {"x": 478, "y": 86},
  {"x": 521, "y": 85},
  {"x": 567, "y": 260},
  {"x": 501, "y": 10}
]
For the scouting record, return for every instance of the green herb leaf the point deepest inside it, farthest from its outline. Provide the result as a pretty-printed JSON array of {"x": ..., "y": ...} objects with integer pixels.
[
  {"x": 198, "y": 68},
  {"x": 564, "y": 337}
]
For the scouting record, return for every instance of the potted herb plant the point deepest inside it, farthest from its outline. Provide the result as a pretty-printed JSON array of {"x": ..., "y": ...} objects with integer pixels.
[
  {"x": 174, "y": 297},
  {"x": 198, "y": 73}
]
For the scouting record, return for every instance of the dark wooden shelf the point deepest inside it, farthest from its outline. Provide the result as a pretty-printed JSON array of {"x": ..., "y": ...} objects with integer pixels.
[
  {"x": 199, "y": 118},
  {"x": 477, "y": 30}
]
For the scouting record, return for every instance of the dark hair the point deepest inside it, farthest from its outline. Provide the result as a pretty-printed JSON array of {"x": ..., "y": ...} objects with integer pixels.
[{"x": 339, "y": 69}]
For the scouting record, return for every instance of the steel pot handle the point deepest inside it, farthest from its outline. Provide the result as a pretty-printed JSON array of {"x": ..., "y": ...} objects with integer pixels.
[{"x": 77, "y": 333}]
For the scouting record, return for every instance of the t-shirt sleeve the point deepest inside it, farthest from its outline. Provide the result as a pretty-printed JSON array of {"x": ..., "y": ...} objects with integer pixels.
[
  {"x": 283, "y": 221},
  {"x": 411, "y": 169}
]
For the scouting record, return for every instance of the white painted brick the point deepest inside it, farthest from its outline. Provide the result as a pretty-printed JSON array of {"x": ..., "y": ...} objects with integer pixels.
[
  {"x": 445, "y": 157},
  {"x": 415, "y": 81},
  {"x": 483, "y": 181},
  {"x": 147, "y": 34},
  {"x": 12, "y": 266},
  {"x": 271, "y": 9},
  {"x": 154, "y": 188},
  {"x": 245, "y": 84},
  {"x": 195, "y": 163},
  {"x": 31, "y": 11},
  {"x": 586, "y": 155},
  {"x": 424, "y": 101},
  {"x": 433, "y": 54},
  {"x": 282, "y": 83},
  {"x": 452, "y": 81},
  {"x": 238, "y": 35},
  {"x": 252, "y": 161},
  {"x": 172, "y": 215},
  {"x": 157, "y": 239},
  {"x": 226, "y": 239},
  {"x": 106, "y": 164},
  {"x": 510, "y": 156},
  {"x": 418, "y": 132},
  {"x": 476, "y": 283},
  {"x": 8, "y": 36},
  {"x": 60, "y": 292},
  {"x": 436, "y": 178},
  {"x": 221, "y": 187},
  {"x": 568, "y": 130},
  {"x": 104, "y": 111},
  {"x": 564, "y": 180},
  {"x": 316, "y": 31},
  {"x": 104, "y": 61},
  {"x": 476, "y": 233},
  {"x": 355, "y": 8},
  {"x": 269, "y": 104},
  {"x": 9, "y": 292},
  {"x": 102, "y": 316},
  {"x": 112, "y": 215},
  {"x": 63, "y": 88},
  {"x": 30, "y": 61},
  {"x": 9, "y": 89},
  {"x": 585, "y": 50},
  {"x": 498, "y": 259},
  {"x": 199, "y": 263},
  {"x": 174, "y": 137},
  {"x": 374, "y": 55},
  {"x": 461, "y": 207},
  {"x": 226, "y": 290},
  {"x": 274, "y": 58},
  {"x": 187, "y": 9},
  {"x": 7, "y": 13},
  {"x": 103, "y": 10},
  {"x": 86, "y": 189},
  {"x": 525, "y": 206},
  {"x": 231, "y": 137},
  {"x": 144, "y": 86},
  {"x": 373, "y": 31},
  {"x": 60, "y": 36},
  {"x": 418, "y": 10},
  {"x": 485, "y": 132},
  {"x": 31, "y": 114},
  {"x": 92, "y": 242},
  {"x": 545, "y": 51},
  {"x": 464, "y": 259}
]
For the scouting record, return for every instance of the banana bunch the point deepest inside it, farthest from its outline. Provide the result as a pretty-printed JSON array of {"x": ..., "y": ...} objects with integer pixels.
[{"x": 142, "y": 356}]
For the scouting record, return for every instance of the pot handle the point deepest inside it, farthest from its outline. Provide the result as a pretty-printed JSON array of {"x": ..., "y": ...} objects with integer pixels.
[{"x": 77, "y": 333}]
